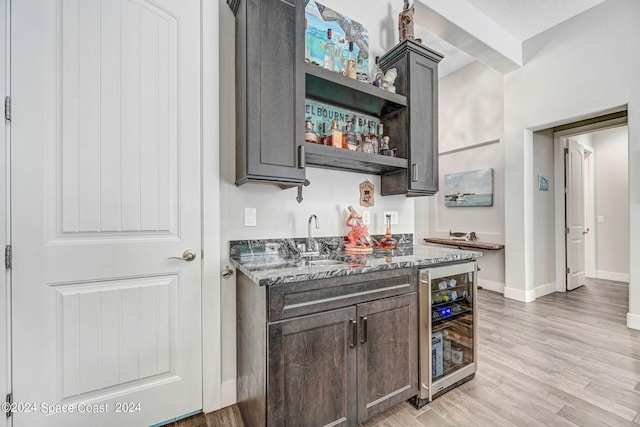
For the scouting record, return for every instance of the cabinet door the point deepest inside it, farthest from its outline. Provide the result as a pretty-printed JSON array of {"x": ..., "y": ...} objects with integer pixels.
[
  {"x": 312, "y": 370},
  {"x": 387, "y": 354},
  {"x": 270, "y": 91},
  {"x": 423, "y": 123}
]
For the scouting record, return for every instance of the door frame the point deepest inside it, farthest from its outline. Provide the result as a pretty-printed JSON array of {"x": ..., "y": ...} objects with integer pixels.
[
  {"x": 5, "y": 208},
  {"x": 559, "y": 195}
]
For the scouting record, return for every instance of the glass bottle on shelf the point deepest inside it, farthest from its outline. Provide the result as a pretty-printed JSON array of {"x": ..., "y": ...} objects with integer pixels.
[
  {"x": 335, "y": 136},
  {"x": 446, "y": 347},
  {"x": 351, "y": 139},
  {"x": 457, "y": 351},
  {"x": 356, "y": 130},
  {"x": 375, "y": 143},
  {"x": 307, "y": 43},
  {"x": 324, "y": 133},
  {"x": 376, "y": 74},
  {"x": 367, "y": 147},
  {"x": 309, "y": 134},
  {"x": 351, "y": 62},
  {"x": 362, "y": 74},
  {"x": 329, "y": 52},
  {"x": 388, "y": 242}
]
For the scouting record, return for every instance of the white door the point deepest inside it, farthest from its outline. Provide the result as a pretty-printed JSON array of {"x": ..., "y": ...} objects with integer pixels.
[
  {"x": 105, "y": 189},
  {"x": 575, "y": 214}
]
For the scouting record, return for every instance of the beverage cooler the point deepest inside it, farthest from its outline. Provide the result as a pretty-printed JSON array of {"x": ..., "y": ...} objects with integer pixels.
[{"x": 448, "y": 347}]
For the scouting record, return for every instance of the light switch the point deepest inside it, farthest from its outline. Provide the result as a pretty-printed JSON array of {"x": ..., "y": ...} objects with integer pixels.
[
  {"x": 366, "y": 216},
  {"x": 394, "y": 217},
  {"x": 600, "y": 219},
  {"x": 250, "y": 217}
]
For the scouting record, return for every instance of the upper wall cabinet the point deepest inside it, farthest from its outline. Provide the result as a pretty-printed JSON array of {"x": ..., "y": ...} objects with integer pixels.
[
  {"x": 417, "y": 125},
  {"x": 270, "y": 91}
]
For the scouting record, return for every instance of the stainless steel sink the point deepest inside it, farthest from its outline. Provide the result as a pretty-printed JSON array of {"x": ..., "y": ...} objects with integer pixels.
[{"x": 322, "y": 262}]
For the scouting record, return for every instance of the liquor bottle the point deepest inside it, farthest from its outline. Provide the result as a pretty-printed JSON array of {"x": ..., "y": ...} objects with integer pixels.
[
  {"x": 307, "y": 43},
  {"x": 335, "y": 136},
  {"x": 329, "y": 52},
  {"x": 388, "y": 242},
  {"x": 351, "y": 138},
  {"x": 309, "y": 134},
  {"x": 362, "y": 74},
  {"x": 356, "y": 130},
  {"x": 380, "y": 131},
  {"x": 457, "y": 351},
  {"x": 367, "y": 147},
  {"x": 351, "y": 62},
  {"x": 375, "y": 143},
  {"x": 324, "y": 133},
  {"x": 377, "y": 74},
  {"x": 446, "y": 347}
]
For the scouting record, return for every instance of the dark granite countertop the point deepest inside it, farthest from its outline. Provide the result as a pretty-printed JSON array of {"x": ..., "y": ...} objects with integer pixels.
[{"x": 276, "y": 266}]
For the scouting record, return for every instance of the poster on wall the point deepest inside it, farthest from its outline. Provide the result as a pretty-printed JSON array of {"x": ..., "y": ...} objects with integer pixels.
[
  {"x": 471, "y": 188},
  {"x": 320, "y": 18}
]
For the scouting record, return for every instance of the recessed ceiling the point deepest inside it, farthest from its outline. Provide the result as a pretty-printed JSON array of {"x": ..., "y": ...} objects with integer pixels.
[{"x": 526, "y": 18}]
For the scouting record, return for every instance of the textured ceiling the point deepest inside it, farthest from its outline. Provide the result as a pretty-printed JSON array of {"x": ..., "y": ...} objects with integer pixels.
[{"x": 526, "y": 18}]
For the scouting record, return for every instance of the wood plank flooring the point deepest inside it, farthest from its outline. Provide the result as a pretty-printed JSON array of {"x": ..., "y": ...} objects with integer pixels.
[{"x": 566, "y": 359}]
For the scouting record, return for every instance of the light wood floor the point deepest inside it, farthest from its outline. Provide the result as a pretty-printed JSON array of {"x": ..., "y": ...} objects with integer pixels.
[{"x": 566, "y": 359}]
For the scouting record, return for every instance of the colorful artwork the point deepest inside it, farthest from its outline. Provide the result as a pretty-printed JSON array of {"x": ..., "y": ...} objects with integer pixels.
[
  {"x": 472, "y": 188},
  {"x": 321, "y": 18}
]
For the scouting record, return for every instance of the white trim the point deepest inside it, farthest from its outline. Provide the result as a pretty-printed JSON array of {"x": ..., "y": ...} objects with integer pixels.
[
  {"x": 633, "y": 321},
  {"x": 558, "y": 189},
  {"x": 490, "y": 285},
  {"x": 469, "y": 147},
  {"x": 543, "y": 290},
  {"x": 5, "y": 206},
  {"x": 229, "y": 394},
  {"x": 519, "y": 294},
  {"x": 210, "y": 199},
  {"x": 610, "y": 275}
]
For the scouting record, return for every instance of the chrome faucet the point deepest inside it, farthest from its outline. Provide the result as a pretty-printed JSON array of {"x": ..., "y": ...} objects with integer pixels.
[{"x": 311, "y": 247}]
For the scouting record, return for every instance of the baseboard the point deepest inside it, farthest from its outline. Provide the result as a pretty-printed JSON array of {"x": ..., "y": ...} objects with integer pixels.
[
  {"x": 543, "y": 290},
  {"x": 610, "y": 275},
  {"x": 229, "y": 394},
  {"x": 633, "y": 321},
  {"x": 491, "y": 285},
  {"x": 520, "y": 295}
]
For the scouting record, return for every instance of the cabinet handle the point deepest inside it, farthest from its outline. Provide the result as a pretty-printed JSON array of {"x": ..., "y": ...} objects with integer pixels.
[
  {"x": 364, "y": 329},
  {"x": 301, "y": 157},
  {"x": 354, "y": 333},
  {"x": 414, "y": 172}
]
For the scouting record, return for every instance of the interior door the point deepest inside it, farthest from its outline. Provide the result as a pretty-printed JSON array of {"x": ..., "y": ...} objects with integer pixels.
[
  {"x": 575, "y": 214},
  {"x": 105, "y": 190}
]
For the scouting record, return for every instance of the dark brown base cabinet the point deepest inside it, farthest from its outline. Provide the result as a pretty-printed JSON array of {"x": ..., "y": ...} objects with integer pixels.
[{"x": 326, "y": 352}]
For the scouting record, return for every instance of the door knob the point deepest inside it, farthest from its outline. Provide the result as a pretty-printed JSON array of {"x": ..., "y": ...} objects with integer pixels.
[{"x": 188, "y": 255}]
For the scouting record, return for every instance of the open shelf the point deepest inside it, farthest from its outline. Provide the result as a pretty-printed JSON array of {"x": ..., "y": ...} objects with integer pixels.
[
  {"x": 336, "y": 89},
  {"x": 326, "y": 157}
]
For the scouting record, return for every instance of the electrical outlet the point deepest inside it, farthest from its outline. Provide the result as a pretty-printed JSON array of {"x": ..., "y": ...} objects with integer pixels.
[
  {"x": 394, "y": 217},
  {"x": 250, "y": 217},
  {"x": 366, "y": 216}
]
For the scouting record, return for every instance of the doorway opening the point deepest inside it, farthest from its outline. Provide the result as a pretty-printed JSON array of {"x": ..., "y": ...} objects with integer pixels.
[{"x": 592, "y": 203}]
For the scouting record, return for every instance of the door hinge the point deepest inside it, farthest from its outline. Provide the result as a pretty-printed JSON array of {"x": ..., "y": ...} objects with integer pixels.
[
  {"x": 566, "y": 230},
  {"x": 7, "y": 108},
  {"x": 9, "y": 401},
  {"x": 568, "y": 270},
  {"x": 8, "y": 256}
]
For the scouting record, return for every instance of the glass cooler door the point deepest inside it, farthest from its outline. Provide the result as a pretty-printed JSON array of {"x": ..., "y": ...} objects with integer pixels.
[{"x": 447, "y": 303}]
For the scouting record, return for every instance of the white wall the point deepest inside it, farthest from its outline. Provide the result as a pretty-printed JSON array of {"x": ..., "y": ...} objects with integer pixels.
[
  {"x": 580, "y": 68},
  {"x": 544, "y": 280},
  {"x": 470, "y": 108},
  {"x": 278, "y": 213},
  {"x": 612, "y": 203}
]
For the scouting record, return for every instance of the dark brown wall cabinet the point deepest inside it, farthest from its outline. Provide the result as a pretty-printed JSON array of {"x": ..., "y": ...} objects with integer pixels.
[
  {"x": 269, "y": 91},
  {"x": 326, "y": 352},
  {"x": 416, "y": 127}
]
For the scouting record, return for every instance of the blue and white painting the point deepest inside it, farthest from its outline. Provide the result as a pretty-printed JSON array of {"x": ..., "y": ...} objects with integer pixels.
[
  {"x": 320, "y": 18},
  {"x": 471, "y": 188}
]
